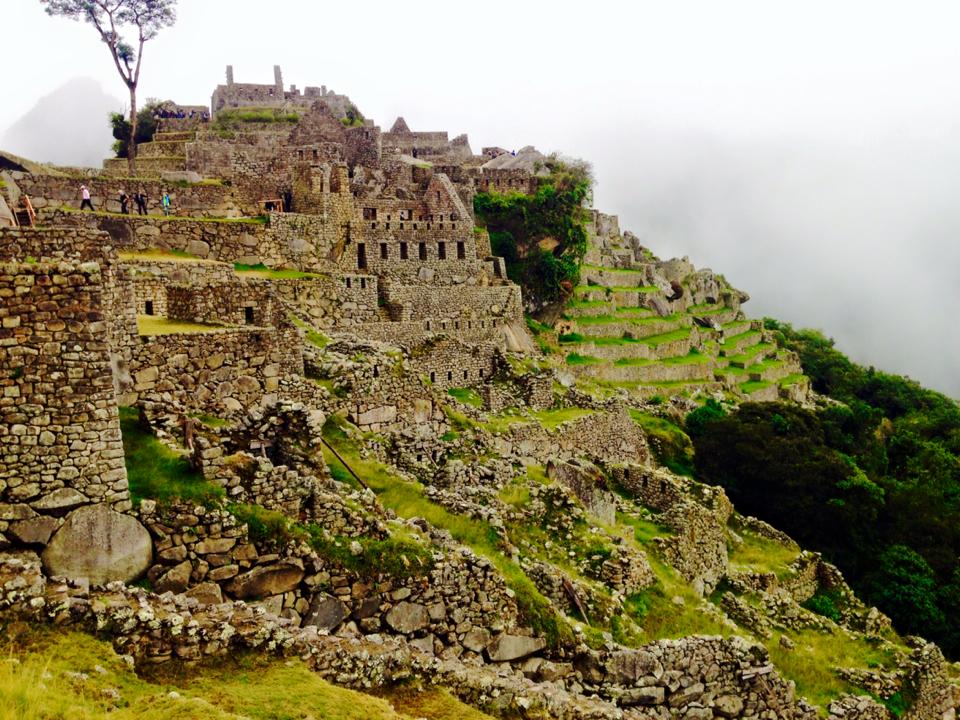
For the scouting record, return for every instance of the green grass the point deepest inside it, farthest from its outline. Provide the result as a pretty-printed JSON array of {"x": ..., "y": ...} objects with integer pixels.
[
  {"x": 227, "y": 119},
  {"x": 551, "y": 419},
  {"x": 667, "y": 337},
  {"x": 634, "y": 362},
  {"x": 810, "y": 664},
  {"x": 262, "y": 271},
  {"x": 210, "y": 420},
  {"x": 753, "y": 386},
  {"x": 159, "y": 254},
  {"x": 732, "y": 342},
  {"x": 792, "y": 379},
  {"x": 751, "y": 352},
  {"x": 578, "y": 359},
  {"x": 155, "y": 325},
  {"x": 758, "y": 554},
  {"x": 407, "y": 500},
  {"x": 692, "y": 358},
  {"x": 313, "y": 336},
  {"x": 468, "y": 396},
  {"x": 256, "y": 220},
  {"x": 34, "y": 686},
  {"x": 156, "y": 472},
  {"x": 670, "y": 444}
]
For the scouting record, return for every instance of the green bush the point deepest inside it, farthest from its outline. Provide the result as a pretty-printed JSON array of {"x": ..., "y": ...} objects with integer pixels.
[{"x": 120, "y": 126}]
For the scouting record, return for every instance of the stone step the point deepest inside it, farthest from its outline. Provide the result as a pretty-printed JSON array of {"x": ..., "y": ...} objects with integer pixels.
[
  {"x": 174, "y": 136},
  {"x": 146, "y": 167},
  {"x": 738, "y": 344},
  {"x": 591, "y": 308},
  {"x": 752, "y": 355},
  {"x": 155, "y": 149}
]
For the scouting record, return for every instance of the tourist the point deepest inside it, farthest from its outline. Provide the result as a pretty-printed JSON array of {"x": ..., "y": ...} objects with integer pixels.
[
  {"x": 165, "y": 201},
  {"x": 123, "y": 203},
  {"x": 141, "y": 200},
  {"x": 85, "y": 194}
]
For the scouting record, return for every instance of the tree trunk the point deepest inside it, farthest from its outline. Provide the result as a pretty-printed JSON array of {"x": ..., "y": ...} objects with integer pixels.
[{"x": 132, "y": 143}]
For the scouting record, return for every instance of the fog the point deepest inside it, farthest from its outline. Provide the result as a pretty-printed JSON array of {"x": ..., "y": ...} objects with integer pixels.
[
  {"x": 807, "y": 151},
  {"x": 67, "y": 127}
]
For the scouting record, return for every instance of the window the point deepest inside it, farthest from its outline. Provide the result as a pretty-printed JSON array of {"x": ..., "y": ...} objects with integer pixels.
[
  {"x": 423, "y": 250},
  {"x": 442, "y": 250},
  {"x": 348, "y": 282},
  {"x": 369, "y": 213},
  {"x": 466, "y": 374},
  {"x": 461, "y": 251},
  {"x": 449, "y": 375},
  {"x": 316, "y": 155},
  {"x": 383, "y": 251},
  {"x": 361, "y": 256},
  {"x": 403, "y": 251},
  {"x": 148, "y": 307},
  {"x": 248, "y": 315},
  {"x": 428, "y": 324},
  {"x": 363, "y": 283},
  {"x": 481, "y": 372},
  {"x": 433, "y": 377}
]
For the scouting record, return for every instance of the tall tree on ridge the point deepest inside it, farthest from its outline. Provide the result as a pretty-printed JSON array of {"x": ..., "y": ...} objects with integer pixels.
[{"x": 146, "y": 17}]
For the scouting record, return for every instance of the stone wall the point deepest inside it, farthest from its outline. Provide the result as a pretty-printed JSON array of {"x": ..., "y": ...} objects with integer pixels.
[
  {"x": 203, "y": 200},
  {"x": 218, "y": 372},
  {"x": 59, "y": 433}
]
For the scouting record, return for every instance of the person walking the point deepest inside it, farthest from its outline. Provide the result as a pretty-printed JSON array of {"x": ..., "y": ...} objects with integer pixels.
[
  {"x": 124, "y": 200},
  {"x": 141, "y": 200},
  {"x": 166, "y": 203},
  {"x": 85, "y": 194}
]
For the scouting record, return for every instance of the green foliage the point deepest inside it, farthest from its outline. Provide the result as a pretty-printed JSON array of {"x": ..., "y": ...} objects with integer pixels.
[
  {"x": 826, "y": 604},
  {"x": 468, "y": 396},
  {"x": 671, "y": 445},
  {"x": 353, "y": 118},
  {"x": 227, "y": 120},
  {"x": 543, "y": 236},
  {"x": 697, "y": 420},
  {"x": 265, "y": 526},
  {"x": 903, "y": 583},
  {"x": 120, "y": 127},
  {"x": 156, "y": 472}
]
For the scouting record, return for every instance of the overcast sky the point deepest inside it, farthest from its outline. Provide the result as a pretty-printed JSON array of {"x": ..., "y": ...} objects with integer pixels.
[{"x": 809, "y": 151}]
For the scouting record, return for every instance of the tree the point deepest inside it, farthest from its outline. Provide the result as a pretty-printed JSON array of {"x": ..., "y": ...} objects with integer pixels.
[{"x": 145, "y": 17}]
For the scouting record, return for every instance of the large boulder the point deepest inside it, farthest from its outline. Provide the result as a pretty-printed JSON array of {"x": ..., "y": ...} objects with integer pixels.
[
  {"x": 407, "y": 617},
  {"x": 326, "y": 612},
  {"x": 513, "y": 647},
  {"x": 267, "y": 580},
  {"x": 99, "y": 544}
]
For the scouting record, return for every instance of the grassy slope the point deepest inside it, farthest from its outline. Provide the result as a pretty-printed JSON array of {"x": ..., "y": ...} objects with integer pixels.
[{"x": 34, "y": 684}]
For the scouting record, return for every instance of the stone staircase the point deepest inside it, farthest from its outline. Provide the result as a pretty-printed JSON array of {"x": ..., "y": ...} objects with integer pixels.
[{"x": 167, "y": 152}]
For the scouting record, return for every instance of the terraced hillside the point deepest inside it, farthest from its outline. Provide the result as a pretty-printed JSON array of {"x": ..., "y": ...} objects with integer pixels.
[{"x": 654, "y": 327}]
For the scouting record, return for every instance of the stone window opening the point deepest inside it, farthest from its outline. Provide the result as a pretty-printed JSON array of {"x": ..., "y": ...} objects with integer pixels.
[
  {"x": 300, "y": 154},
  {"x": 369, "y": 213},
  {"x": 645, "y": 482},
  {"x": 376, "y": 371},
  {"x": 419, "y": 458},
  {"x": 469, "y": 324},
  {"x": 461, "y": 251},
  {"x": 442, "y": 250},
  {"x": 386, "y": 226},
  {"x": 148, "y": 307},
  {"x": 388, "y": 217},
  {"x": 433, "y": 377},
  {"x": 449, "y": 375},
  {"x": 428, "y": 325},
  {"x": 428, "y": 226},
  {"x": 384, "y": 253},
  {"x": 423, "y": 250},
  {"x": 456, "y": 324},
  {"x": 441, "y": 217},
  {"x": 466, "y": 374},
  {"x": 401, "y": 226},
  {"x": 443, "y": 325},
  {"x": 362, "y": 256},
  {"x": 347, "y": 281},
  {"x": 663, "y": 486},
  {"x": 414, "y": 226},
  {"x": 363, "y": 283},
  {"x": 316, "y": 154},
  {"x": 438, "y": 196},
  {"x": 403, "y": 251},
  {"x": 481, "y": 372},
  {"x": 248, "y": 315}
]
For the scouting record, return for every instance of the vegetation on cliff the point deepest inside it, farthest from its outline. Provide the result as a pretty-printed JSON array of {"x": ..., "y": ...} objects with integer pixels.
[
  {"x": 542, "y": 237},
  {"x": 872, "y": 481}
]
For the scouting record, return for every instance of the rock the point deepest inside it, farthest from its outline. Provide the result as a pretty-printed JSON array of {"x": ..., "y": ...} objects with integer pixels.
[
  {"x": 207, "y": 593},
  {"x": 728, "y": 706},
  {"x": 36, "y": 531},
  {"x": 198, "y": 248},
  {"x": 426, "y": 274},
  {"x": 59, "y": 501},
  {"x": 476, "y": 640},
  {"x": 326, "y": 612},
  {"x": 267, "y": 580},
  {"x": 643, "y": 696},
  {"x": 176, "y": 579},
  {"x": 506, "y": 647},
  {"x": 99, "y": 544},
  {"x": 407, "y": 617},
  {"x": 424, "y": 644},
  {"x": 189, "y": 176},
  {"x": 383, "y": 414},
  {"x": 786, "y": 643}
]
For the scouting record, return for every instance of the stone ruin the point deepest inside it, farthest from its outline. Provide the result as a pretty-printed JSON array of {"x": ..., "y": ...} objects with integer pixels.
[{"x": 319, "y": 278}]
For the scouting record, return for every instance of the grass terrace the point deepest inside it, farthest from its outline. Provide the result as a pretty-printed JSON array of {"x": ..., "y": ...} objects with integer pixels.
[
  {"x": 758, "y": 554},
  {"x": 255, "y": 220},
  {"x": 148, "y": 325},
  {"x": 466, "y": 395},
  {"x": 753, "y": 386},
  {"x": 161, "y": 254},
  {"x": 262, "y": 271}
]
